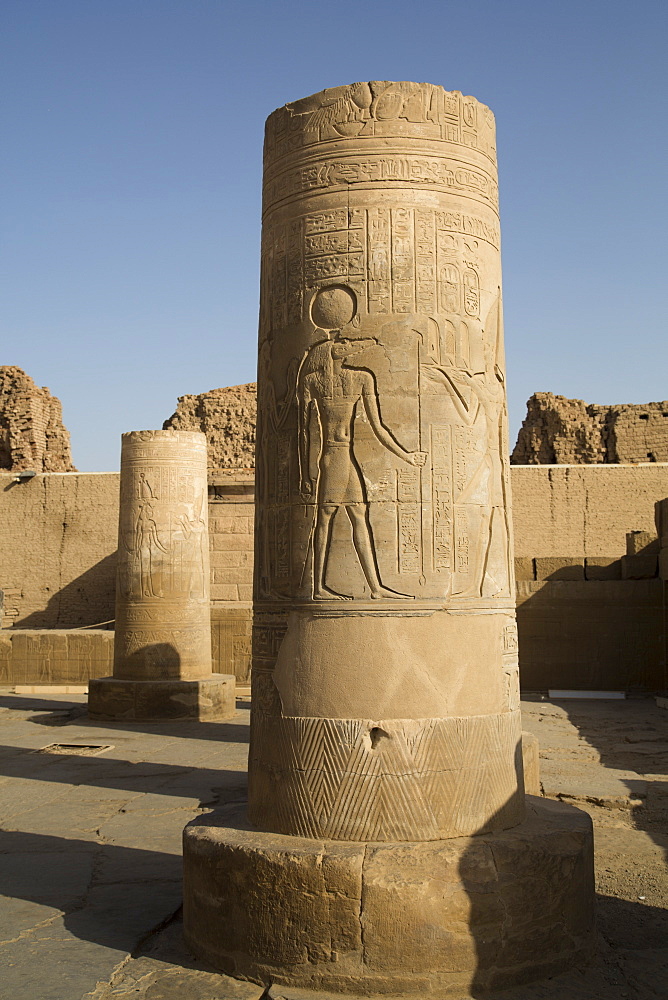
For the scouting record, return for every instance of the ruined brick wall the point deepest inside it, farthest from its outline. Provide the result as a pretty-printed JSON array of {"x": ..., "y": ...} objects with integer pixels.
[
  {"x": 638, "y": 433},
  {"x": 227, "y": 417},
  {"x": 561, "y": 431},
  {"x": 32, "y": 434}
]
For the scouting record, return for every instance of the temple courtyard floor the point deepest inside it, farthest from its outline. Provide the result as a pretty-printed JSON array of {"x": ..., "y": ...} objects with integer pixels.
[{"x": 90, "y": 847}]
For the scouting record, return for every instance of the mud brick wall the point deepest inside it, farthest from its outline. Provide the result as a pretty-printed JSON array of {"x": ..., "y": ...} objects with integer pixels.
[
  {"x": 227, "y": 417},
  {"x": 32, "y": 433},
  {"x": 560, "y": 430}
]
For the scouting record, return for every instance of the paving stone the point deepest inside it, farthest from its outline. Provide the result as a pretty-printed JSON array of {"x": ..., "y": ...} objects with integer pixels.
[{"x": 78, "y": 907}]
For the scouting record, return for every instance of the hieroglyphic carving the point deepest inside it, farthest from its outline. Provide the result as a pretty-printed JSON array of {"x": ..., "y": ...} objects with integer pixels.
[
  {"x": 379, "y": 262},
  {"x": 409, "y": 518},
  {"x": 407, "y": 258},
  {"x": 382, "y": 532},
  {"x": 422, "y": 171},
  {"x": 401, "y": 260},
  {"x": 330, "y": 391},
  {"x": 162, "y": 600},
  {"x": 382, "y": 109},
  {"x": 441, "y": 449}
]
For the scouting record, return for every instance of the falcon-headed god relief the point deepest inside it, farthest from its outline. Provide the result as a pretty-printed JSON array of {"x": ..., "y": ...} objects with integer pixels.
[{"x": 332, "y": 391}]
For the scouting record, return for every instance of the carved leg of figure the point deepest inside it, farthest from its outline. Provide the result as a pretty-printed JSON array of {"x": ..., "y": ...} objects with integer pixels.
[
  {"x": 363, "y": 543},
  {"x": 321, "y": 541}
]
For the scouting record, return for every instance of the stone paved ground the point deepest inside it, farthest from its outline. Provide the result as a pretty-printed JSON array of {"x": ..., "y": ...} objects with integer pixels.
[{"x": 90, "y": 848}]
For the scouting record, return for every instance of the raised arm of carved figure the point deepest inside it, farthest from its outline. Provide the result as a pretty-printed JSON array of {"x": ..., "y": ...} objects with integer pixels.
[
  {"x": 437, "y": 374},
  {"x": 370, "y": 398}
]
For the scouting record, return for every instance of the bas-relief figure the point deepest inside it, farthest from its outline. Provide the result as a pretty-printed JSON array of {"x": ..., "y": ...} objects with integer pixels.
[
  {"x": 413, "y": 278},
  {"x": 163, "y": 545},
  {"x": 382, "y": 488},
  {"x": 163, "y": 566},
  {"x": 459, "y": 481},
  {"x": 334, "y": 393},
  {"x": 385, "y": 693}
]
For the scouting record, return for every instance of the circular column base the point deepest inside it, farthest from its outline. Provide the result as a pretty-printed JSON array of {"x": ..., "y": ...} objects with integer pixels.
[
  {"x": 207, "y": 700},
  {"x": 478, "y": 912}
]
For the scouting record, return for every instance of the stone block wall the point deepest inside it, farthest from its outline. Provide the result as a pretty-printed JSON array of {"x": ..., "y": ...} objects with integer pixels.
[
  {"x": 591, "y": 634},
  {"x": 58, "y": 536},
  {"x": 72, "y": 657},
  {"x": 583, "y": 511},
  {"x": 55, "y": 656},
  {"x": 231, "y": 514},
  {"x": 589, "y": 601}
]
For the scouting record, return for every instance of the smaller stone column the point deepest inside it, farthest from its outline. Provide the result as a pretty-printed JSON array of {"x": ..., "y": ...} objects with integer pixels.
[{"x": 162, "y": 652}]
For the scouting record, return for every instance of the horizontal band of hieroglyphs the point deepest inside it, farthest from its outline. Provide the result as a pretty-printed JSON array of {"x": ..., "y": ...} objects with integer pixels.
[
  {"x": 431, "y": 171},
  {"x": 182, "y": 615},
  {"x": 342, "y": 229},
  {"x": 399, "y": 779},
  {"x": 129, "y": 640}
]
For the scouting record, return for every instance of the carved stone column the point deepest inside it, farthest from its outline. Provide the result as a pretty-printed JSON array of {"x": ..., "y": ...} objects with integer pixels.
[
  {"x": 162, "y": 649},
  {"x": 385, "y": 673}
]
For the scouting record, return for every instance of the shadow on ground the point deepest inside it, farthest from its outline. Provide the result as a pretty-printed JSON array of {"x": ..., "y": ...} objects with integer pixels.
[{"x": 68, "y": 712}]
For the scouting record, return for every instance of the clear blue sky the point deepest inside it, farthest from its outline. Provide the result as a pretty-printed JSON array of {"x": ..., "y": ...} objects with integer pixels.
[{"x": 130, "y": 176}]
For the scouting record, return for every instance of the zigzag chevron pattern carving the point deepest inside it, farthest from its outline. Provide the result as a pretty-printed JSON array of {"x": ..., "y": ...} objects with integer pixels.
[{"x": 399, "y": 779}]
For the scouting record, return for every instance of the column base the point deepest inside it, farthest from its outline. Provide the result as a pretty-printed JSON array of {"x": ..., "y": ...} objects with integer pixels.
[
  {"x": 206, "y": 700},
  {"x": 482, "y": 912}
]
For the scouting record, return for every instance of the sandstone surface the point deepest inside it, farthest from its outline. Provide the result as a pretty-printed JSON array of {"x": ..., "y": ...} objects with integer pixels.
[
  {"x": 561, "y": 431},
  {"x": 385, "y": 714},
  {"x": 227, "y": 418},
  {"x": 162, "y": 648},
  {"x": 32, "y": 434}
]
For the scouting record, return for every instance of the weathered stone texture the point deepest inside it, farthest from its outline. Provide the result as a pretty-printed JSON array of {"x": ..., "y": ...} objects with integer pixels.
[
  {"x": 54, "y": 656},
  {"x": 435, "y": 918},
  {"x": 385, "y": 730},
  {"x": 383, "y": 507},
  {"x": 227, "y": 417},
  {"x": 32, "y": 434},
  {"x": 595, "y": 634},
  {"x": 583, "y": 511},
  {"x": 162, "y": 650},
  {"x": 58, "y": 557},
  {"x": 561, "y": 431}
]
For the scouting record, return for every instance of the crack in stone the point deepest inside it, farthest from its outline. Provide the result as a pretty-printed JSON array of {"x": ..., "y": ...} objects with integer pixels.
[{"x": 31, "y": 930}]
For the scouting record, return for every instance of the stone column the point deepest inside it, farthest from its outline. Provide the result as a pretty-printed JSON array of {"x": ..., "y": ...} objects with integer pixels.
[
  {"x": 162, "y": 648},
  {"x": 385, "y": 673}
]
